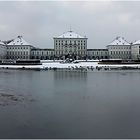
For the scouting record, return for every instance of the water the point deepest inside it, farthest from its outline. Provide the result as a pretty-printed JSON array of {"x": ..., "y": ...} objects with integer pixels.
[{"x": 58, "y": 104}]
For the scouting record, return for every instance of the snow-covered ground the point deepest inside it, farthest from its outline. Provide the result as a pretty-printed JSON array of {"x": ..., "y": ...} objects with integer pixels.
[
  {"x": 84, "y": 65},
  {"x": 68, "y": 65}
]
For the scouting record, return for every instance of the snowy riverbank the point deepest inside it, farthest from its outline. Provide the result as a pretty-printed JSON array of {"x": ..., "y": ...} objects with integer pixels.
[{"x": 80, "y": 65}]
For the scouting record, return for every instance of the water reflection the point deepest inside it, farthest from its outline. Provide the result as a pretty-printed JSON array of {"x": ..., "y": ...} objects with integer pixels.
[
  {"x": 71, "y": 104},
  {"x": 70, "y": 83},
  {"x": 72, "y": 75}
]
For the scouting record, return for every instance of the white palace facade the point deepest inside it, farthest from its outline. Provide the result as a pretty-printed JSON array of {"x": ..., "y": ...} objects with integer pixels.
[
  {"x": 18, "y": 48},
  {"x": 3, "y": 50},
  {"x": 69, "y": 45},
  {"x": 119, "y": 48}
]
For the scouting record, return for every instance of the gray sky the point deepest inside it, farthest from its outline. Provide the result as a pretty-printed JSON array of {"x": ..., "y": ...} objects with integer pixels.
[{"x": 38, "y": 22}]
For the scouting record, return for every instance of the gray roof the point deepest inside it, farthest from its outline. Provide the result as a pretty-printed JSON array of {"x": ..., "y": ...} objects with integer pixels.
[
  {"x": 118, "y": 41},
  {"x": 18, "y": 41},
  {"x": 70, "y": 34}
]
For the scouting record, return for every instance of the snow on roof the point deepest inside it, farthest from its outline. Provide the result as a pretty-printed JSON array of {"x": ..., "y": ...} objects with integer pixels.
[
  {"x": 119, "y": 41},
  {"x": 137, "y": 42},
  {"x": 70, "y": 34},
  {"x": 1, "y": 43},
  {"x": 18, "y": 41}
]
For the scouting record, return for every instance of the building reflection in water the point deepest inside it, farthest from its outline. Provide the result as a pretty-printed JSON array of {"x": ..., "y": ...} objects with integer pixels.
[
  {"x": 70, "y": 86},
  {"x": 70, "y": 75},
  {"x": 70, "y": 82}
]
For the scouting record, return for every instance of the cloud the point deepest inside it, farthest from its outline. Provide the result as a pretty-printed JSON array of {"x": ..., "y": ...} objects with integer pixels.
[{"x": 39, "y": 21}]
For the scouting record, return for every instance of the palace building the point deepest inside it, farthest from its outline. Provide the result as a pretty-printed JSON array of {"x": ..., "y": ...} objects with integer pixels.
[
  {"x": 97, "y": 54},
  {"x": 70, "y": 45},
  {"x": 43, "y": 54},
  {"x": 119, "y": 48},
  {"x": 135, "y": 50},
  {"x": 3, "y": 50},
  {"x": 18, "y": 48}
]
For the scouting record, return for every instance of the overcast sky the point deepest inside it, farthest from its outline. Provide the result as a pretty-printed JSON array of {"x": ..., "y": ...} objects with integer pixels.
[{"x": 38, "y": 22}]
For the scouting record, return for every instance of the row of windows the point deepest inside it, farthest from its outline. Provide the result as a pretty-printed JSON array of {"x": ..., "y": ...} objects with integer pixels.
[
  {"x": 120, "y": 52},
  {"x": 98, "y": 57},
  {"x": 42, "y": 53},
  {"x": 74, "y": 47},
  {"x": 70, "y": 44},
  {"x": 18, "y": 53},
  {"x": 18, "y": 47},
  {"x": 65, "y": 52},
  {"x": 18, "y": 57},
  {"x": 124, "y": 47},
  {"x": 121, "y": 56},
  {"x": 98, "y": 53},
  {"x": 73, "y": 50},
  {"x": 70, "y": 41}
]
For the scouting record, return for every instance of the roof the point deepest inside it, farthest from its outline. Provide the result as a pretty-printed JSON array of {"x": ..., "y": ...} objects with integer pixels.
[
  {"x": 18, "y": 41},
  {"x": 70, "y": 34},
  {"x": 1, "y": 43},
  {"x": 119, "y": 41},
  {"x": 7, "y": 41},
  {"x": 137, "y": 42}
]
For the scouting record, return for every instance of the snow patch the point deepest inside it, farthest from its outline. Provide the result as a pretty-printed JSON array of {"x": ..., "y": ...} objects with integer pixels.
[
  {"x": 19, "y": 41},
  {"x": 70, "y": 34},
  {"x": 119, "y": 41}
]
